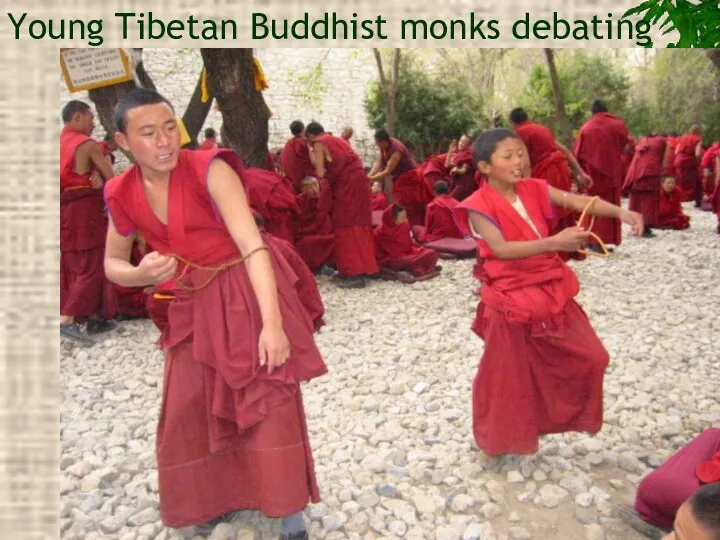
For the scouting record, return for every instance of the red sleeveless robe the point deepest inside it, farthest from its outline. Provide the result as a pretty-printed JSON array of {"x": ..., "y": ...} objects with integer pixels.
[
  {"x": 439, "y": 221},
  {"x": 643, "y": 178},
  {"x": 543, "y": 365},
  {"x": 397, "y": 251},
  {"x": 230, "y": 436}
]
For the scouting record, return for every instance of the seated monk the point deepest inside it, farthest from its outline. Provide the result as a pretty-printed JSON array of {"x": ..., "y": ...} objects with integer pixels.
[
  {"x": 662, "y": 492},
  {"x": 379, "y": 200},
  {"x": 670, "y": 215},
  {"x": 306, "y": 285},
  {"x": 395, "y": 248},
  {"x": 273, "y": 197},
  {"x": 126, "y": 302},
  {"x": 439, "y": 221},
  {"x": 462, "y": 169},
  {"x": 314, "y": 237}
]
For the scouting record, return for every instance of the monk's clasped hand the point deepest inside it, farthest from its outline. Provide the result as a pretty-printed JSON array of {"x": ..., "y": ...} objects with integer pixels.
[
  {"x": 156, "y": 268},
  {"x": 571, "y": 239},
  {"x": 273, "y": 347},
  {"x": 633, "y": 219}
]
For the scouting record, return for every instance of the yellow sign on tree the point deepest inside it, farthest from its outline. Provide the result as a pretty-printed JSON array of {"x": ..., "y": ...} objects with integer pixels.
[{"x": 85, "y": 69}]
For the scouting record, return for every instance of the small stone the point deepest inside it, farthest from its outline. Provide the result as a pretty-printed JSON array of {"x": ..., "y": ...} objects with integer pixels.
[
  {"x": 617, "y": 484},
  {"x": 149, "y": 515},
  {"x": 368, "y": 499},
  {"x": 334, "y": 521},
  {"x": 421, "y": 388},
  {"x": 461, "y": 503},
  {"x": 594, "y": 532},
  {"x": 551, "y": 496},
  {"x": 317, "y": 511},
  {"x": 447, "y": 533},
  {"x": 386, "y": 490},
  {"x": 539, "y": 476},
  {"x": 585, "y": 516},
  {"x": 397, "y": 527},
  {"x": 424, "y": 504},
  {"x": 491, "y": 510},
  {"x": 584, "y": 500},
  {"x": 473, "y": 532},
  {"x": 515, "y": 477},
  {"x": 519, "y": 533},
  {"x": 223, "y": 531},
  {"x": 112, "y": 524},
  {"x": 514, "y": 517}
]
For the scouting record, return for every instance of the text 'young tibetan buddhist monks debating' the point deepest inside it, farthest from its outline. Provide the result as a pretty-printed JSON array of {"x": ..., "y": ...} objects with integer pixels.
[{"x": 425, "y": 320}]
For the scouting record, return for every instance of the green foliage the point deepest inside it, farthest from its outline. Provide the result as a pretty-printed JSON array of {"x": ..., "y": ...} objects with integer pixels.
[
  {"x": 310, "y": 85},
  {"x": 698, "y": 24},
  {"x": 583, "y": 79},
  {"x": 431, "y": 110}
]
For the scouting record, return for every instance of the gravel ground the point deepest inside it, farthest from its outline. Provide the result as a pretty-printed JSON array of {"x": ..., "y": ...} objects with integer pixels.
[{"x": 390, "y": 424}]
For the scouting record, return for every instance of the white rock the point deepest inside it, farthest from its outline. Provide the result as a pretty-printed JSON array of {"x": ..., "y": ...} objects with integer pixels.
[{"x": 514, "y": 477}]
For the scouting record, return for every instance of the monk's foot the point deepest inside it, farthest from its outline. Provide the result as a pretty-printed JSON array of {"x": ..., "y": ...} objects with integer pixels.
[
  {"x": 73, "y": 332},
  {"x": 97, "y": 326},
  {"x": 325, "y": 270},
  {"x": 354, "y": 282},
  {"x": 647, "y": 233}
]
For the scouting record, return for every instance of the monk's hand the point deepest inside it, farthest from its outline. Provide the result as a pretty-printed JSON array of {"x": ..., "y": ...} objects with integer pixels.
[
  {"x": 96, "y": 180},
  {"x": 156, "y": 268},
  {"x": 273, "y": 347},
  {"x": 571, "y": 239},
  {"x": 633, "y": 219},
  {"x": 453, "y": 147}
]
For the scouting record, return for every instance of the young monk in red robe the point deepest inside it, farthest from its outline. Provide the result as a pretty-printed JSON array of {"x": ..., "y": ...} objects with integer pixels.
[
  {"x": 396, "y": 248},
  {"x": 210, "y": 141},
  {"x": 232, "y": 431},
  {"x": 598, "y": 149},
  {"x": 314, "y": 239},
  {"x": 670, "y": 212},
  {"x": 461, "y": 169},
  {"x": 439, "y": 220},
  {"x": 108, "y": 147},
  {"x": 550, "y": 161},
  {"x": 82, "y": 224},
  {"x": 272, "y": 195},
  {"x": 707, "y": 172},
  {"x": 126, "y": 302},
  {"x": 434, "y": 169},
  {"x": 687, "y": 161},
  {"x": 627, "y": 157},
  {"x": 397, "y": 169},
  {"x": 351, "y": 214},
  {"x": 379, "y": 200},
  {"x": 644, "y": 178},
  {"x": 295, "y": 156},
  {"x": 543, "y": 364}
]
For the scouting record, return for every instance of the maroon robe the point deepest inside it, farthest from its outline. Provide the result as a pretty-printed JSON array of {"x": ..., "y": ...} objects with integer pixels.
[
  {"x": 409, "y": 187},
  {"x": 379, "y": 202},
  {"x": 128, "y": 301},
  {"x": 295, "y": 161},
  {"x": 351, "y": 214},
  {"x": 273, "y": 197},
  {"x": 543, "y": 364},
  {"x": 644, "y": 177},
  {"x": 463, "y": 185},
  {"x": 83, "y": 227},
  {"x": 397, "y": 251},
  {"x": 315, "y": 241},
  {"x": 707, "y": 171},
  {"x": 598, "y": 150},
  {"x": 231, "y": 436},
  {"x": 662, "y": 492},
  {"x": 686, "y": 166},
  {"x": 433, "y": 170},
  {"x": 439, "y": 220},
  {"x": 627, "y": 157},
  {"x": 670, "y": 212},
  {"x": 158, "y": 303}
]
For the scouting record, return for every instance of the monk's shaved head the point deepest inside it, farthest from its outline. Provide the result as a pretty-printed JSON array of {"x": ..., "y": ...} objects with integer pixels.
[
  {"x": 72, "y": 108},
  {"x": 518, "y": 116},
  {"x": 598, "y": 106},
  {"x": 485, "y": 145},
  {"x": 297, "y": 127},
  {"x": 136, "y": 98},
  {"x": 695, "y": 128}
]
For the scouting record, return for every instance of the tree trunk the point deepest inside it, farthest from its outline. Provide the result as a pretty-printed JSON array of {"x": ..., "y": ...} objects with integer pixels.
[
  {"x": 714, "y": 55},
  {"x": 244, "y": 111},
  {"x": 389, "y": 88},
  {"x": 196, "y": 114},
  {"x": 105, "y": 99},
  {"x": 559, "y": 101}
]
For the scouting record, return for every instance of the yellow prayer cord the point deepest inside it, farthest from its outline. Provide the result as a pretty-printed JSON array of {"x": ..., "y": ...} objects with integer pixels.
[
  {"x": 584, "y": 251},
  {"x": 214, "y": 269},
  {"x": 261, "y": 82},
  {"x": 204, "y": 92}
]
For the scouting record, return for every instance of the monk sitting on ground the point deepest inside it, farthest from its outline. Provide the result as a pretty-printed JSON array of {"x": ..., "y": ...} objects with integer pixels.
[
  {"x": 379, "y": 200},
  {"x": 670, "y": 215},
  {"x": 314, "y": 238},
  {"x": 273, "y": 197},
  {"x": 396, "y": 249},
  {"x": 439, "y": 221}
]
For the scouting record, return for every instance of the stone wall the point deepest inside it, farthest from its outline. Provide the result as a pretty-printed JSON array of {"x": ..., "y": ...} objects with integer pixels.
[{"x": 325, "y": 85}]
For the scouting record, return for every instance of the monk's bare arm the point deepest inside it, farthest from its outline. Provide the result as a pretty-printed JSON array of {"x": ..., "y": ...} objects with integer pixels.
[
  {"x": 509, "y": 250},
  {"x": 227, "y": 191},
  {"x": 389, "y": 168},
  {"x": 698, "y": 150},
  {"x": 717, "y": 171},
  {"x": 577, "y": 169},
  {"x": 118, "y": 268},
  {"x": 97, "y": 158},
  {"x": 578, "y": 203},
  {"x": 375, "y": 168},
  {"x": 666, "y": 157}
]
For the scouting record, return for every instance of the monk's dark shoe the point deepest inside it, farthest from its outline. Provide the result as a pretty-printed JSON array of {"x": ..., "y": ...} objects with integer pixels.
[
  {"x": 438, "y": 268},
  {"x": 325, "y": 270},
  {"x": 97, "y": 326},
  {"x": 647, "y": 233},
  {"x": 352, "y": 283},
  {"x": 72, "y": 331},
  {"x": 598, "y": 249},
  {"x": 295, "y": 536}
]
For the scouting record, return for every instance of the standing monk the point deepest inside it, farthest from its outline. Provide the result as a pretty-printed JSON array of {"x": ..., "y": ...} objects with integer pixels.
[
  {"x": 403, "y": 181},
  {"x": 687, "y": 162},
  {"x": 549, "y": 160},
  {"x": 232, "y": 432},
  {"x": 295, "y": 156},
  {"x": 351, "y": 214},
  {"x": 82, "y": 223},
  {"x": 707, "y": 173},
  {"x": 598, "y": 149},
  {"x": 644, "y": 178}
]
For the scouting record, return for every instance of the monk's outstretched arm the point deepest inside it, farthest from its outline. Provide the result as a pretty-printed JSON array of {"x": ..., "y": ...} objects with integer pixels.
[
  {"x": 319, "y": 151},
  {"x": 375, "y": 168},
  {"x": 389, "y": 168},
  {"x": 574, "y": 165},
  {"x": 599, "y": 208},
  {"x": 717, "y": 171},
  {"x": 569, "y": 239},
  {"x": 97, "y": 158},
  {"x": 666, "y": 157}
]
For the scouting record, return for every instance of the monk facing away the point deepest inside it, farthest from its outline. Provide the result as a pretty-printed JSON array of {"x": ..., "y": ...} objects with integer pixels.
[
  {"x": 643, "y": 179},
  {"x": 295, "y": 157},
  {"x": 336, "y": 161},
  {"x": 402, "y": 179},
  {"x": 708, "y": 172},
  {"x": 670, "y": 211},
  {"x": 598, "y": 150},
  {"x": 83, "y": 224},
  {"x": 687, "y": 163},
  {"x": 543, "y": 364},
  {"x": 396, "y": 248},
  {"x": 210, "y": 141},
  {"x": 439, "y": 220},
  {"x": 239, "y": 342}
]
